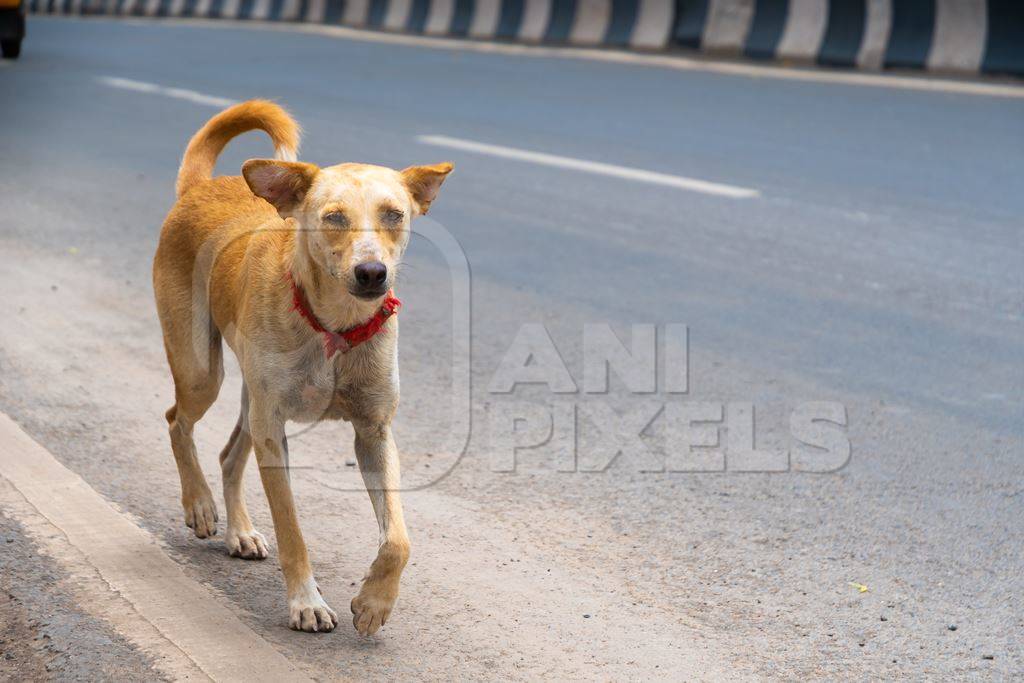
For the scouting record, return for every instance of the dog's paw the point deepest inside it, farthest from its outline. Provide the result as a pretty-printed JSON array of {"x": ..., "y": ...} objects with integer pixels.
[
  {"x": 310, "y": 613},
  {"x": 248, "y": 545},
  {"x": 201, "y": 514},
  {"x": 371, "y": 608}
]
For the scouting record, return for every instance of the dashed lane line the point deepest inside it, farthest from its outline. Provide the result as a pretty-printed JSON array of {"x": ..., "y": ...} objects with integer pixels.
[
  {"x": 595, "y": 167},
  {"x": 175, "y": 93}
]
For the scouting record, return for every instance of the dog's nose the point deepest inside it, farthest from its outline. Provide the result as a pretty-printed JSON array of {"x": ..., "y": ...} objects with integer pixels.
[{"x": 371, "y": 274}]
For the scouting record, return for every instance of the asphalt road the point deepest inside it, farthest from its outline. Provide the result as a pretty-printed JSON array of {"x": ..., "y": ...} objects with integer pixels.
[{"x": 881, "y": 267}]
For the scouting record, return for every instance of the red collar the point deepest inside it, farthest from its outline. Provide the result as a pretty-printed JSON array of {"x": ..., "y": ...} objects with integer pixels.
[{"x": 347, "y": 339}]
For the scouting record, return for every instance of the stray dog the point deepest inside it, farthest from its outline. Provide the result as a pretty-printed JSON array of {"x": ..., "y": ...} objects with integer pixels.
[{"x": 293, "y": 266}]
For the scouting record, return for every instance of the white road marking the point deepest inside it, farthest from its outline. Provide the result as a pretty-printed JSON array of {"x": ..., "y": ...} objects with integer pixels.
[
  {"x": 626, "y": 172},
  {"x": 134, "y": 567},
  {"x": 176, "y": 93}
]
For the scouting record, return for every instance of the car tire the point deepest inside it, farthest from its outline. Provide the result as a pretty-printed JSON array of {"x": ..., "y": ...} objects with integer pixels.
[{"x": 11, "y": 48}]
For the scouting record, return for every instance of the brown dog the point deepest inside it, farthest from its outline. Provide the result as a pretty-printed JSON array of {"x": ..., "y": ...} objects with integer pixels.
[{"x": 292, "y": 266}]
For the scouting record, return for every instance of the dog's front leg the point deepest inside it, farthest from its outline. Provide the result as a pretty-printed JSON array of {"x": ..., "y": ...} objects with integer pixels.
[
  {"x": 307, "y": 610},
  {"x": 378, "y": 462}
]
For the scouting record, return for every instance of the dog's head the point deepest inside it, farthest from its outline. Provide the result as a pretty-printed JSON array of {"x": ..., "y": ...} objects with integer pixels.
[{"x": 353, "y": 218}]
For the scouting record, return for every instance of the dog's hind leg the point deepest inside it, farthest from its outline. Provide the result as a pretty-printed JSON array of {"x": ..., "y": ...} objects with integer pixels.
[
  {"x": 241, "y": 538},
  {"x": 197, "y": 380}
]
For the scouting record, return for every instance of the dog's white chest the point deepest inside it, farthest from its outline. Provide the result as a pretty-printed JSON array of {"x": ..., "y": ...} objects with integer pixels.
[
  {"x": 311, "y": 393},
  {"x": 323, "y": 394}
]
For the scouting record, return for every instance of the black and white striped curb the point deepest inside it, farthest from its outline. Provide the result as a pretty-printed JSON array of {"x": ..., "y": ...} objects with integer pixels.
[
  {"x": 972, "y": 36},
  {"x": 940, "y": 35}
]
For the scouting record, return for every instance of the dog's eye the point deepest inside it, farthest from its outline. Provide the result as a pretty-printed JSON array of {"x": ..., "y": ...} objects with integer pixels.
[
  {"x": 336, "y": 218},
  {"x": 393, "y": 216}
]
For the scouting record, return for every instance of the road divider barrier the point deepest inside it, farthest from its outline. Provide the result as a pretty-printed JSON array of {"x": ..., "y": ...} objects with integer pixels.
[{"x": 946, "y": 36}]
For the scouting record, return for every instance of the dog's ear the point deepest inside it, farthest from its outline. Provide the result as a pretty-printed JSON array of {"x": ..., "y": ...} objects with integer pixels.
[
  {"x": 282, "y": 183},
  {"x": 423, "y": 183}
]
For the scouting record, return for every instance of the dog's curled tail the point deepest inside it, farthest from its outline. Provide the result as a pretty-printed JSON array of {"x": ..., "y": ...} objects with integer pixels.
[{"x": 206, "y": 145}]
